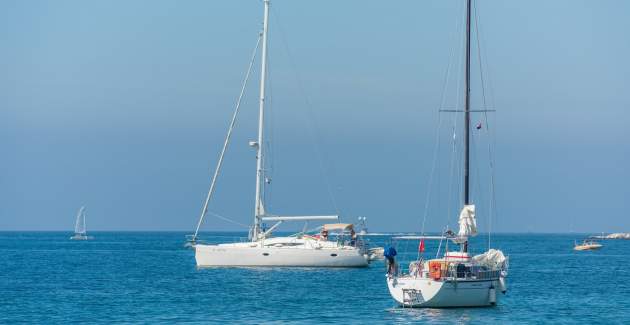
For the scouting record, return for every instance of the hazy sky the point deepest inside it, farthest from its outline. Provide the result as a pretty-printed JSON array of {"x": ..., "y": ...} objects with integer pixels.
[{"x": 122, "y": 106}]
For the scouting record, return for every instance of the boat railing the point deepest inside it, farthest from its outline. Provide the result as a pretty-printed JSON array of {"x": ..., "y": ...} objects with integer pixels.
[
  {"x": 219, "y": 240},
  {"x": 470, "y": 274},
  {"x": 361, "y": 244},
  {"x": 416, "y": 269}
]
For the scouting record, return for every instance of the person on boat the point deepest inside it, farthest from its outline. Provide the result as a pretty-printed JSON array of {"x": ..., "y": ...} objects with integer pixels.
[
  {"x": 390, "y": 254},
  {"x": 353, "y": 237},
  {"x": 324, "y": 234}
]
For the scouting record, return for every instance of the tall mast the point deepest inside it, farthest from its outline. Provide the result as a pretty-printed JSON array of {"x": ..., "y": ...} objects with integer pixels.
[
  {"x": 467, "y": 118},
  {"x": 259, "y": 209},
  {"x": 467, "y": 110}
]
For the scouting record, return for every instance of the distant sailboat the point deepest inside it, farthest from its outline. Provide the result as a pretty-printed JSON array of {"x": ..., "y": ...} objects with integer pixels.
[{"x": 80, "y": 232}]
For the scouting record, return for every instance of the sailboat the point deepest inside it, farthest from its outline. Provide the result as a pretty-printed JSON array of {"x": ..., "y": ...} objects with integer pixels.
[
  {"x": 80, "y": 232},
  {"x": 456, "y": 279},
  {"x": 263, "y": 249}
]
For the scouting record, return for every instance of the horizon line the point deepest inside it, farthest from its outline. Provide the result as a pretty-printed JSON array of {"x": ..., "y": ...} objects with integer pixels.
[{"x": 373, "y": 232}]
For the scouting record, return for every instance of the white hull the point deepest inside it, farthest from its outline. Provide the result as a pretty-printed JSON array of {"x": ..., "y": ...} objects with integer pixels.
[
  {"x": 424, "y": 292},
  {"x": 81, "y": 237},
  {"x": 255, "y": 254},
  {"x": 591, "y": 247}
]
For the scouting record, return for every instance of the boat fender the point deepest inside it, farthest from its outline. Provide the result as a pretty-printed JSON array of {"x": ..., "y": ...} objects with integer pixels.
[
  {"x": 502, "y": 285},
  {"x": 492, "y": 296}
]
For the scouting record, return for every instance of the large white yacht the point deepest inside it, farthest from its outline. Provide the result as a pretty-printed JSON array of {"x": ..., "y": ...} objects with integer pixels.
[{"x": 262, "y": 249}]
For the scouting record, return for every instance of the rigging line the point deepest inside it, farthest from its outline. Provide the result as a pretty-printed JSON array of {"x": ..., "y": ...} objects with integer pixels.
[
  {"x": 306, "y": 231},
  {"x": 449, "y": 64},
  {"x": 483, "y": 91},
  {"x": 480, "y": 41},
  {"x": 493, "y": 202},
  {"x": 452, "y": 171},
  {"x": 492, "y": 206},
  {"x": 227, "y": 138},
  {"x": 440, "y": 245},
  {"x": 269, "y": 159},
  {"x": 445, "y": 84},
  {"x": 433, "y": 167},
  {"x": 454, "y": 162},
  {"x": 456, "y": 118},
  {"x": 492, "y": 199},
  {"x": 313, "y": 120},
  {"x": 228, "y": 219},
  {"x": 431, "y": 175},
  {"x": 475, "y": 157}
]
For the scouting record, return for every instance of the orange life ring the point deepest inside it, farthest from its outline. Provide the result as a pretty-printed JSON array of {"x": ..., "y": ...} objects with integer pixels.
[{"x": 435, "y": 270}]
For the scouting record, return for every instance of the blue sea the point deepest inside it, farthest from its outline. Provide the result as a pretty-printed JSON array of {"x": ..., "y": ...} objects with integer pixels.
[{"x": 150, "y": 277}]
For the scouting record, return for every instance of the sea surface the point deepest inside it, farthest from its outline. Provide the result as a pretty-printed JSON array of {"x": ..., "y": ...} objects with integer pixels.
[{"x": 150, "y": 277}]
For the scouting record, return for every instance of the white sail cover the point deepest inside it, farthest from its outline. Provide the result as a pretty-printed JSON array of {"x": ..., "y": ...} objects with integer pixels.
[
  {"x": 493, "y": 259},
  {"x": 467, "y": 222}
]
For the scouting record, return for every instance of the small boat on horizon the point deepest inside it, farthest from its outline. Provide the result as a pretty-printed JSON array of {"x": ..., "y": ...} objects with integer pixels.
[
  {"x": 618, "y": 235},
  {"x": 80, "y": 232},
  {"x": 587, "y": 245}
]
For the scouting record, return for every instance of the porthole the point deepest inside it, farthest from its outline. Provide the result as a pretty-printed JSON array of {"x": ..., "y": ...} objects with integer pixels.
[
  {"x": 333, "y": 255},
  {"x": 265, "y": 254}
]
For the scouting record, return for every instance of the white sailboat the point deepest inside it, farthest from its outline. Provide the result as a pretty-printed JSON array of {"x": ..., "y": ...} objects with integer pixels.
[
  {"x": 80, "y": 232},
  {"x": 457, "y": 279},
  {"x": 263, "y": 249}
]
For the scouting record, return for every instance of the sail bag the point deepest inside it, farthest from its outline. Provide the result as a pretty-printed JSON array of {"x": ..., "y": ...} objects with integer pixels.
[{"x": 467, "y": 222}]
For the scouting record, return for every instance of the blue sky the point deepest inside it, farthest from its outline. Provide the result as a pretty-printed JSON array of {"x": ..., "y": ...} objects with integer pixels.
[{"x": 122, "y": 106}]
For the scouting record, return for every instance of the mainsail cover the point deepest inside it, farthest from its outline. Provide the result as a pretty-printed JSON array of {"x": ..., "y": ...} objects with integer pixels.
[
  {"x": 467, "y": 222},
  {"x": 493, "y": 259}
]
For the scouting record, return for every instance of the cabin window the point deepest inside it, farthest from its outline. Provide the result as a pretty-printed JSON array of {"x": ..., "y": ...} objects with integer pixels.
[
  {"x": 265, "y": 254},
  {"x": 333, "y": 255}
]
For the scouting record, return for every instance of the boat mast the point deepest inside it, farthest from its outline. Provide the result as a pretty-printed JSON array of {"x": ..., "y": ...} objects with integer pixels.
[
  {"x": 259, "y": 209},
  {"x": 467, "y": 116},
  {"x": 467, "y": 110}
]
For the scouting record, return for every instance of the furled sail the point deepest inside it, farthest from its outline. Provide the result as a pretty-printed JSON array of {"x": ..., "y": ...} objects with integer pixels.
[{"x": 467, "y": 222}]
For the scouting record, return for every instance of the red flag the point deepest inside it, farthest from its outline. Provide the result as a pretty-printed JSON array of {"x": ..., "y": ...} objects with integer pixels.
[
  {"x": 479, "y": 126},
  {"x": 421, "y": 246}
]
